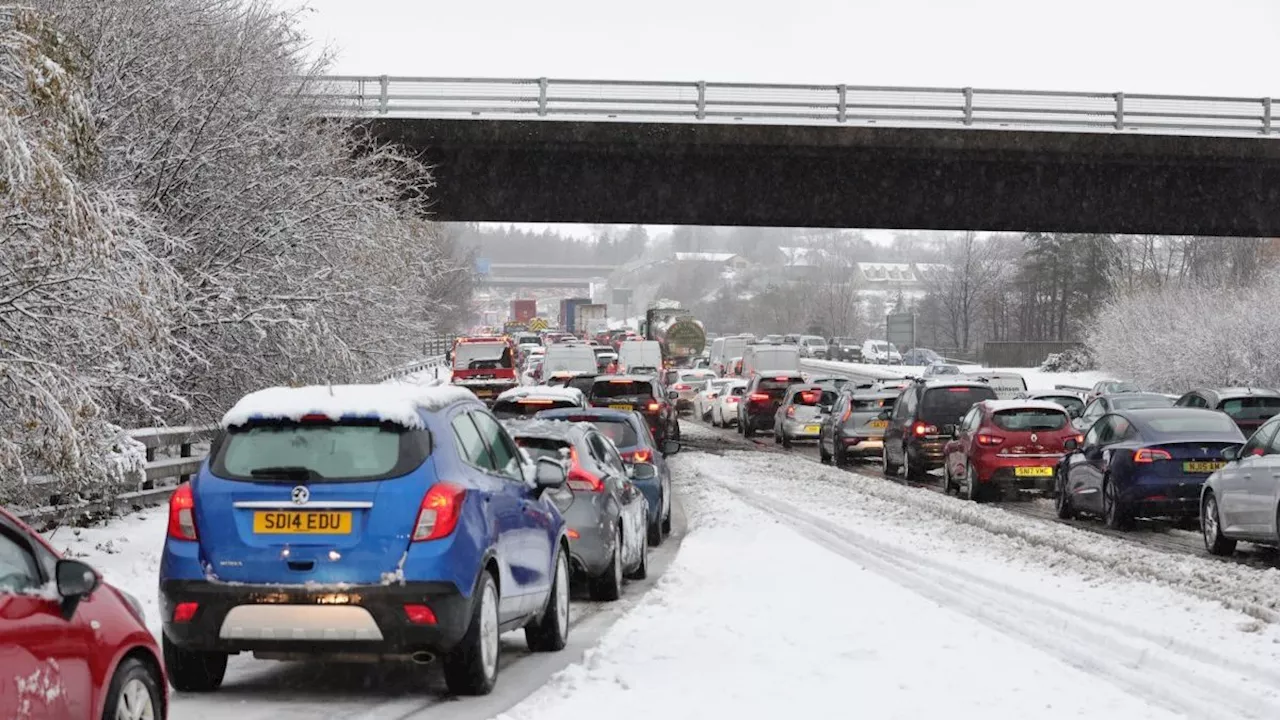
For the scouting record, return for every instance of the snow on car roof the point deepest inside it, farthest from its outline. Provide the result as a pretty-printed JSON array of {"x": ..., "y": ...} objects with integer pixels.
[
  {"x": 999, "y": 405},
  {"x": 553, "y": 392},
  {"x": 397, "y": 403},
  {"x": 542, "y": 428}
]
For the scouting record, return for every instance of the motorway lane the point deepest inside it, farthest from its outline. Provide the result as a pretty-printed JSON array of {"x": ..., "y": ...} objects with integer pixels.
[
  {"x": 270, "y": 690},
  {"x": 1156, "y": 534}
]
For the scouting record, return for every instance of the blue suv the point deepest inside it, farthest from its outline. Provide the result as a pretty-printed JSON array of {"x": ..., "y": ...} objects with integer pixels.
[{"x": 355, "y": 521}]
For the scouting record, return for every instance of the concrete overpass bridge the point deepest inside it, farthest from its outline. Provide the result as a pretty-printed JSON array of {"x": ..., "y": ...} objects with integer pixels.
[
  {"x": 543, "y": 275},
  {"x": 544, "y": 150}
]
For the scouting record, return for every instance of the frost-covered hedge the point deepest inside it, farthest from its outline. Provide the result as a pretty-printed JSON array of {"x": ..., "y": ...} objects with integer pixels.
[
  {"x": 178, "y": 226},
  {"x": 1171, "y": 339}
]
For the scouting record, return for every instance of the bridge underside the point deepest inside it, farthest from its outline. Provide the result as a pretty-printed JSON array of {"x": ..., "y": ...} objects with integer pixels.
[
  {"x": 808, "y": 176},
  {"x": 531, "y": 282}
]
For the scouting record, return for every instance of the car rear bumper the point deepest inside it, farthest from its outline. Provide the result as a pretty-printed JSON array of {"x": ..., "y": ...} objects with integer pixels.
[
  {"x": 293, "y": 619},
  {"x": 1158, "y": 497},
  {"x": 926, "y": 453},
  {"x": 1008, "y": 478},
  {"x": 863, "y": 445},
  {"x": 798, "y": 430}
]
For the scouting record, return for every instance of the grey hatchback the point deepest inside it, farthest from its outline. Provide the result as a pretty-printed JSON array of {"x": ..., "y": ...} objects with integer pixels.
[
  {"x": 799, "y": 417},
  {"x": 606, "y": 514},
  {"x": 855, "y": 426}
]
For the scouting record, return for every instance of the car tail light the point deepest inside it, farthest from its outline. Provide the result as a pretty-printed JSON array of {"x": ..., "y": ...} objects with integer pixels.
[
  {"x": 848, "y": 413},
  {"x": 183, "y": 612},
  {"x": 989, "y": 440},
  {"x": 923, "y": 429},
  {"x": 791, "y": 411},
  {"x": 733, "y": 399},
  {"x": 758, "y": 397},
  {"x": 439, "y": 512},
  {"x": 572, "y": 534},
  {"x": 1150, "y": 455},
  {"x": 580, "y": 479},
  {"x": 418, "y": 614},
  {"x": 640, "y": 456},
  {"x": 782, "y": 378},
  {"x": 654, "y": 406},
  {"x": 681, "y": 386},
  {"x": 182, "y": 514},
  {"x": 810, "y": 397}
]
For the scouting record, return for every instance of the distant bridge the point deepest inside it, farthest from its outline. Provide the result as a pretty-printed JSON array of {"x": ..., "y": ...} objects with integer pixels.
[
  {"x": 543, "y": 275},
  {"x": 582, "y": 151}
]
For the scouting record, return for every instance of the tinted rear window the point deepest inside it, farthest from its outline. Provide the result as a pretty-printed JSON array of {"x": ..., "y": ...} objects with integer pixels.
[
  {"x": 874, "y": 404},
  {"x": 1211, "y": 423},
  {"x": 813, "y": 398},
  {"x": 622, "y": 388},
  {"x": 544, "y": 448},
  {"x": 1030, "y": 420},
  {"x": 516, "y": 408},
  {"x": 619, "y": 431},
  {"x": 348, "y": 451},
  {"x": 1138, "y": 403},
  {"x": 777, "y": 387},
  {"x": 1251, "y": 408},
  {"x": 947, "y": 404},
  {"x": 1069, "y": 402}
]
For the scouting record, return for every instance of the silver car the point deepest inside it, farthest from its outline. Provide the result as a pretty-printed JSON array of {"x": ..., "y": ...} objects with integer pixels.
[
  {"x": 1241, "y": 500},
  {"x": 799, "y": 417},
  {"x": 606, "y": 514},
  {"x": 855, "y": 426}
]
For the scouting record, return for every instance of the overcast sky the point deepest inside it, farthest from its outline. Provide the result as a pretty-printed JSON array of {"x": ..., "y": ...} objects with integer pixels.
[{"x": 1223, "y": 47}]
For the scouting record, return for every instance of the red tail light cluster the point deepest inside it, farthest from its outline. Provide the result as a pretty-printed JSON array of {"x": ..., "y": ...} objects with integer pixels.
[
  {"x": 791, "y": 411},
  {"x": 438, "y": 515},
  {"x": 1150, "y": 455},
  {"x": 989, "y": 440},
  {"x": 924, "y": 429},
  {"x": 758, "y": 397},
  {"x": 654, "y": 406},
  {"x": 580, "y": 479},
  {"x": 182, "y": 514},
  {"x": 680, "y": 386},
  {"x": 640, "y": 456}
]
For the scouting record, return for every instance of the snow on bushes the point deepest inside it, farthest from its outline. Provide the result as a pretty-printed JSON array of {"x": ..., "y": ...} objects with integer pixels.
[{"x": 1171, "y": 339}]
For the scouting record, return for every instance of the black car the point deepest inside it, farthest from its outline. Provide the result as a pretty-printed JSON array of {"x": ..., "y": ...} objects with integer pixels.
[
  {"x": 1112, "y": 402},
  {"x": 923, "y": 418},
  {"x": 644, "y": 394},
  {"x": 761, "y": 401},
  {"x": 844, "y": 349},
  {"x": 1248, "y": 407}
]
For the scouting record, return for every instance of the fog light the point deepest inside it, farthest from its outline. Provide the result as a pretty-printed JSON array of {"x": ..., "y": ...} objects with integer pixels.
[
  {"x": 184, "y": 611},
  {"x": 419, "y": 614}
]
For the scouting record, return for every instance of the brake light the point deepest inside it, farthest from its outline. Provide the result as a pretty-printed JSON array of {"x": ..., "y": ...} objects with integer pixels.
[
  {"x": 809, "y": 397},
  {"x": 580, "y": 479},
  {"x": 535, "y": 401},
  {"x": 681, "y": 386},
  {"x": 848, "y": 413},
  {"x": 733, "y": 399},
  {"x": 654, "y": 406},
  {"x": 782, "y": 378},
  {"x": 418, "y": 614},
  {"x": 315, "y": 417},
  {"x": 641, "y": 456},
  {"x": 758, "y": 397},
  {"x": 183, "y": 612},
  {"x": 1150, "y": 455},
  {"x": 923, "y": 429},
  {"x": 791, "y": 411},
  {"x": 182, "y": 514},
  {"x": 989, "y": 440},
  {"x": 439, "y": 512}
]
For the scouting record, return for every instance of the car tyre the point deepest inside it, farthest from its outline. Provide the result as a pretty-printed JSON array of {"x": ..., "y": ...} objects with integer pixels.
[
  {"x": 973, "y": 489},
  {"x": 193, "y": 670},
  {"x": 748, "y": 431},
  {"x": 641, "y": 571},
  {"x": 666, "y": 523},
  {"x": 1211, "y": 528},
  {"x": 655, "y": 531},
  {"x": 1062, "y": 499},
  {"x": 1115, "y": 517},
  {"x": 608, "y": 586},
  {"x": 134, "y": 693},
  {"x": 823, "y": 455},
  {"x": 909, "y": 469},
  {"x": 785, "y": 440},
  {"x": 839, "y": 455},
  {"x": 550, "y": 632},
  {"x": 947, "y": 483},
  {"x": 676, "y": 435},
  {"x": 471, "y": 668},
  {"x": 887, "y": 466}
]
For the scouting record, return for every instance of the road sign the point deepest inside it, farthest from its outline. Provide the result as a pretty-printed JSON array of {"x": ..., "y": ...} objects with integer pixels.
[
  {"x": 621, "y": 296},
  {"x": 900, "y": 329},
  {"x": 482, "y": 266}
]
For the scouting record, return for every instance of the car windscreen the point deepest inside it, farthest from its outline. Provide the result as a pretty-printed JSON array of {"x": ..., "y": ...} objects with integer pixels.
[
  {"x": 538, "y": 448},
  {"x": 319, "y": 452},
  {"x": 1250, "y": 408},
  {"x": 738, "y": 390},
  {"x": 1029, "y": 419},
  {"x": 1070, "y": 402},
  {"x": 844, "y": 341},
  {"x": 526, "y": 407},
  {"x": 1141, "y": 402},
  {"x": 620, "y": 432},
  {"x": 814, "y": 341},
  {"x": 570, "y": 362},
  {"x": 1193, "y": 423},
  {"x": 617, "y": 389},
  {"x": 482, "y": 356},
  {"x": 945, "y": 405}
]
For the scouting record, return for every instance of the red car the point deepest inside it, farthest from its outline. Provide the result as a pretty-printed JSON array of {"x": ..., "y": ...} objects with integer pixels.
[
  {"x": 1003, "y": 445},
  {"x": 70, "y": 645}
]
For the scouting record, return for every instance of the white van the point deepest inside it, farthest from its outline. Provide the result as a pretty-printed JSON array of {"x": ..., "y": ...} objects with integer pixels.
[
  {"x": 638, "y": 354},
  {"x": 881, "y": 352},
  {"x": 569, "y": 358},
  {"x": 770, "y": 359},
  {"x": 725, "y": 349}
]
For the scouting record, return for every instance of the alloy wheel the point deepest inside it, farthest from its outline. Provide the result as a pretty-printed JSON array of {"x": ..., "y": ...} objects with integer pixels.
[{"x": 134, "y": 702}]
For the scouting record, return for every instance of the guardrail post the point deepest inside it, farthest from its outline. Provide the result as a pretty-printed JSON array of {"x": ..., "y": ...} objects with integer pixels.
[
  {"x": 383, "y": 81},
  {"x": 1266, "y": 116},
  {"x": 148, "y": 484},
  {"x": 702, "y": 99},
  {"x": 1119, "y": 111},
  {"x": 542, "y": 96},
  {"x": 968, "y": 106},
  {"x": 184, "y": 450},
  {"x": 844, "y": 92}
]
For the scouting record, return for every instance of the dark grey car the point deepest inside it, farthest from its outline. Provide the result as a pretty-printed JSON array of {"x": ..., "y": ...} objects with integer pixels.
[
  {"x": 855, "y": 426},
  {"x": 606, "y": 514}
]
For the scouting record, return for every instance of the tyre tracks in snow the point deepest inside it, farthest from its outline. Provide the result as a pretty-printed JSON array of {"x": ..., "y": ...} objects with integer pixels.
[{"x": 1167, "y": 671}]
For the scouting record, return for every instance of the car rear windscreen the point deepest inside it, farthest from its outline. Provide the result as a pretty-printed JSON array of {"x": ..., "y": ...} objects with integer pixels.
[
  {"x": 610, "y": 389},
  {"x": 946, "y": 404},
  {"x": 482, "y": 356},
  {"x": 1210, "y": 423},
  {"x": 505, "y": 409},
  {"x": 1070, "y": 402},
  {"x": 876, "y": 404},
  {"x": 620, "y": 432},
  {"x": 1141, "y": 402},
  {"x": 775, "y": 388},
  {"x": 318, "y": 452},
  {"x": 1029, "y": 420},
  {"x": 1251, "y": 408},
  {"x": 539, "y": 448}
]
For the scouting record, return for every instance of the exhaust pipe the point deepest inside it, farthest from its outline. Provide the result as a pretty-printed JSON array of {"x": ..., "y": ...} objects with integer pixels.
[{"x": 422, "y": 657}]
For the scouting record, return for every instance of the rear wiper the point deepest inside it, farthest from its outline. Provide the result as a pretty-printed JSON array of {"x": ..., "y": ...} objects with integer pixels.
[{"x": 286, "y": 472}]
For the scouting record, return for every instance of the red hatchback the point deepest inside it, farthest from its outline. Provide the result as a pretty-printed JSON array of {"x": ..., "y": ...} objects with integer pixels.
[
  {"x": 70, "y": 645},
  {"x": 1004, "y": 445}
]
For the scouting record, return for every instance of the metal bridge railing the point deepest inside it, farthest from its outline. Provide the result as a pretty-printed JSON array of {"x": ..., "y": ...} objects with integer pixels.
[{"x": 562, "y": 99}]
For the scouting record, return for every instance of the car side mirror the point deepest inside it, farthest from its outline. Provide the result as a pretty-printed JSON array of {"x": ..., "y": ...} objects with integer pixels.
[
  {"x": 1070, "y": 445},
  {"x": 1074, "y": 412},
  {"x": 1230, "y": 453},
  {"x": 643, "y": 471},
  {"x": 883, "y": 415},
  {"x": 671, "y": 447},
  {"x": 673, "y": 395},
  {"x": 550, "y": 474},
  {"x": 824, "y": 409},
  {"x": 76, "y": 581}
]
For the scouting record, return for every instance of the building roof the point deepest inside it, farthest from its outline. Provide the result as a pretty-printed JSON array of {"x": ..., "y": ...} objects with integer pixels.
[
  {"x": 717, "y": 257},
  {"x": 887, "y": 272}
]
